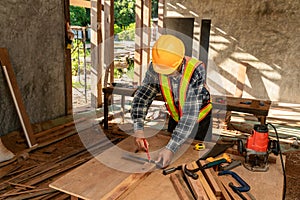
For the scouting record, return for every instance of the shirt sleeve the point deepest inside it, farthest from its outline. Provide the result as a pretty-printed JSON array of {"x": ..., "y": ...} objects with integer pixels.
[
  {"x": 193, "y": 103},
  {"x": 143, "y": 98}
]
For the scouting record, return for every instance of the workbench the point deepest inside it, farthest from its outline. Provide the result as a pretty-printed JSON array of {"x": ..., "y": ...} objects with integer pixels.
[
  {"x": 96, "y": 180},
  {"x": 257, "y": 107}
]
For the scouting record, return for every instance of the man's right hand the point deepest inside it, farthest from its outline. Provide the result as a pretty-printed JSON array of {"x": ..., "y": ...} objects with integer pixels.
[{"x": 140, "y": 140}]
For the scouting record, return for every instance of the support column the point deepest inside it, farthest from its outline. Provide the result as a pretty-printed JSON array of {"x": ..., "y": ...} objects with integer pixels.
[
  {"x": 109, "y": 41},
  {"x": 68, "y": 64},
  {"x": 96, "y": 53},
  {"x": 142, "y": 39}
]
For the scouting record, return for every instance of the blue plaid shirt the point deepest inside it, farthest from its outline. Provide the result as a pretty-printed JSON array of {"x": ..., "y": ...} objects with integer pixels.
[{"x": 197, "y": 94}]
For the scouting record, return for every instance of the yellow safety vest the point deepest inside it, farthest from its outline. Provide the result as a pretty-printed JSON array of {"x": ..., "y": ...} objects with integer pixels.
[{"x": 165, "y": 85}]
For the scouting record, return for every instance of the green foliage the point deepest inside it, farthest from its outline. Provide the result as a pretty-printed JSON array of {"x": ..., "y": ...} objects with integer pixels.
[
  {"x": 117, "y": 29},
  {"x": 78, "y": 47},
  {"x": 124, "y": 11},
  {"x": 79, "y": 16},
  {"x": 128, "y": 33},
  {"x": 154, "y": 9}
]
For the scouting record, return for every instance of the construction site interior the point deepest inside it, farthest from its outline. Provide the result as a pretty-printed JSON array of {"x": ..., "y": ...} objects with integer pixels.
[{"x": 70, "y": 136}]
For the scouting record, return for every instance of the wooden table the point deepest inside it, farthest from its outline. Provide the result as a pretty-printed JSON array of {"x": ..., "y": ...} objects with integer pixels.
[
  {"x": 257, "y": 107},
  {"x": 108, "y": 92},
  {"x": 95, "y": 180}
]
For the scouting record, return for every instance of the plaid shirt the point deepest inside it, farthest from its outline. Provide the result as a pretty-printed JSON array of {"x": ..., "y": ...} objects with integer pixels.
[{"x": 197, "y": 94}]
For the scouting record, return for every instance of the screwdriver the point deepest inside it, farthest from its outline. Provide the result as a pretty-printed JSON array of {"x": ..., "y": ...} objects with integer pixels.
[{"x": 147, "y": 150}]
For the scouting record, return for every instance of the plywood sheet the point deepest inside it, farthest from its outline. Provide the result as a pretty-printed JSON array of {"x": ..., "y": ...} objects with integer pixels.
[{"x": 94, "y": 179}]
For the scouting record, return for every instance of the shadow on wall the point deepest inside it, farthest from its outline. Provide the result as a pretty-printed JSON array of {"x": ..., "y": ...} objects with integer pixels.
[{"x": 261, "y": 34}]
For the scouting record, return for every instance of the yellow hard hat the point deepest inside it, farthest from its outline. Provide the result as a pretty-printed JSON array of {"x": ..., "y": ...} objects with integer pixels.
[{"x": 167, "y": 54}]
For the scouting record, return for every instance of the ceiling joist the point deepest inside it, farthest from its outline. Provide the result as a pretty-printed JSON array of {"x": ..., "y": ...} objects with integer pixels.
[{"x": 80, "y": 3}]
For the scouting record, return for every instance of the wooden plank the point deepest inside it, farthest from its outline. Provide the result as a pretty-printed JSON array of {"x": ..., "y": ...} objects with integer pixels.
[
  {"x": 80, "y": 3},
  {"x": 180, "y": 187},
  {"x": 225, "y": 181},
  {"x": 138, "y": 54},
  {"x": 97, "y": 53},
  {"x": 210, "y": 179},
  {"x": 234, "y": 104},
  {"x": 84, "y": 181},
  {"x": 205, "y": 184},
  {"x": 17, "y": 97},
  {"x": 225, "y": 195},
  {"x": 126, "y": 186},
  {"x": 197, "y": 188}
]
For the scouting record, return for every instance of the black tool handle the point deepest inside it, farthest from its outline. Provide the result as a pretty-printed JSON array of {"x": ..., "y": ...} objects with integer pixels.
[
  {"x": 191, "y": 173},
  {"x": 169, "y": 170}
]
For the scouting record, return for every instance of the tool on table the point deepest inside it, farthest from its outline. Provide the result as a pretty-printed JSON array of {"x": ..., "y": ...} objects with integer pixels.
[
  {"x": 171, "y": 170},
  {"x": 257, "y": 148},
  {"x": 229, "y": 166},
  {"x": 199, "y": 146},
  {"x": 218, "y": 149},
  {"x": 244, "y": 186},
  {"x": 147, "y": 149},
  {"x": 213, "y": 162},
  {"x": 141, "y": 160},
  {"x": 137, "y": 159},
  {"x": 261, "y": 103}
]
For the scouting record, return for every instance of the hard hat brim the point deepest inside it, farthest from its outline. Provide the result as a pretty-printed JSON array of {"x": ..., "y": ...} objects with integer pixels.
[{"x": 163, "y": 70}]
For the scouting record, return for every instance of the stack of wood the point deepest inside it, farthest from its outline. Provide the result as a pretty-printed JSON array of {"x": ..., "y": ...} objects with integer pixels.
[
  {"x": 208, "y": 186},
  {"x": 59, "y": 150}
]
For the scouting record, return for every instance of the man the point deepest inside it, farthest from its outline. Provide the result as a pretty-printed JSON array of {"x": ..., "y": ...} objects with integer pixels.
[{"x": 181, "y": 81}]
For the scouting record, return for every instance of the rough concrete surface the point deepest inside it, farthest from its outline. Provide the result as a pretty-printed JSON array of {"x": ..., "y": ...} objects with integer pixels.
[
  {"x": 265, "y": 34},
  {"x": 33, "y": 33}
]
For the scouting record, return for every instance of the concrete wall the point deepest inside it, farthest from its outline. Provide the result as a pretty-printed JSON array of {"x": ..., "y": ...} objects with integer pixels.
[
  {"x": 263, "y": 34},
  {"x": 33, "y": 33}
]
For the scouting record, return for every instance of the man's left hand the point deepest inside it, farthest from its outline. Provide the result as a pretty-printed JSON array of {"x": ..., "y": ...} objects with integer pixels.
[{"x": 164, "y": 158}]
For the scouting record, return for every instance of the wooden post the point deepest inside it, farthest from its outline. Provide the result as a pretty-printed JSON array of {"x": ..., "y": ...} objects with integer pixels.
[
  {"x": 161, "y": 14},
  {"x": 81, "y": 3},
  {"x": 68, "y": 66},
  {"x": 16, "y": 95},
  {"x": 138, "y": 41},
  {"x": 109, "y": 41},
  {"x": 97, "y": 53},
  {"x": 204, "y": 41},
  {"x": 142, "y": 39}
]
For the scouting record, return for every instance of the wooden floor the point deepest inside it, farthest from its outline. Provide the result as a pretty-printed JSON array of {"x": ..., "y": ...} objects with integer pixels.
[{"x": 61, "y": 150}]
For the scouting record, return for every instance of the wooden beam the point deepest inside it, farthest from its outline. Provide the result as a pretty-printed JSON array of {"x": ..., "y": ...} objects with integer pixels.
[
  {"x": 109, "y": 41},
  {"x": 17, "y": 97},
  {"x": 138, "y": 41},
  {"x": 161, "y": 14},
  {"x": 126, "y": 186},
  {"x": 68, "y": 64},
  {"x": 211, "y": 180},
  {"x": 180, "y": 187},
  {"x": 142, "y": 38},
  {"x": 80, "y": 3},
  {"x": 205, "y": 184},
  {"x": 196, "y": 187},
  {"x": 97, "y": 49}
]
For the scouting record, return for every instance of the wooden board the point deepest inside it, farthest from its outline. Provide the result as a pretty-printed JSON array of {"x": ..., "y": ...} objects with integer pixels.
[
  {"x": 180, "y": 187},
  {"x": 17, "y": 97},
  {"x": 81, "y": 3},
  {"x": 94, "y": 179}
]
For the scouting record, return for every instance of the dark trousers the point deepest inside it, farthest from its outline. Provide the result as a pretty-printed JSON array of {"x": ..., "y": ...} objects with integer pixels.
[{"x": 201, "y": 131}]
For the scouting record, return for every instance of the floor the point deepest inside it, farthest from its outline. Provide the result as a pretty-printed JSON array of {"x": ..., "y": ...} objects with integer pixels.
[{"x": 60, "y": 150}]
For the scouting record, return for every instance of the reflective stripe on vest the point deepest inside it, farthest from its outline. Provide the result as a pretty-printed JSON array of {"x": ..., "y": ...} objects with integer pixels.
[{"x": 190, "y": 66}]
